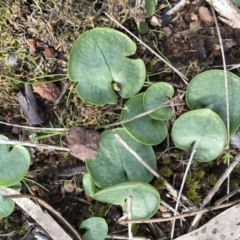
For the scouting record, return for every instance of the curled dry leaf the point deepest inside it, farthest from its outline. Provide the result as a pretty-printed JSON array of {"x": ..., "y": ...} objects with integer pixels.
[
  {"x": 83, "y": 143},
  {"x": 49, "y": 52},
  {"x": 205, "y": 15},
  {"x": 48, "y": 91}
]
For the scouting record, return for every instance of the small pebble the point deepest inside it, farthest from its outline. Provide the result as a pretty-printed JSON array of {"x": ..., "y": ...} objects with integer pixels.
[{"x": 12, "y": 60}]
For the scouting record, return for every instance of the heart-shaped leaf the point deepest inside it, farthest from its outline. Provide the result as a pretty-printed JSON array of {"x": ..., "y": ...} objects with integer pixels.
[
  {"x": 203, "y": 127},
  {"x": 207, "y": 90},
  {"x": 98, "y": 60},
  {"x": 115, "y": 164},
  {"x": 14, "y": 162},
  {"x": 145, "y": 198},
  {"x": 157, "y": 94},
  {"x": 96, "y": 228},
  {"x": 145, "y": 129},
  {"x": 6, "y": 206}
]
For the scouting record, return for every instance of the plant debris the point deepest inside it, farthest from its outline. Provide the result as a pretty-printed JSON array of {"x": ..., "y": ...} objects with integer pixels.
[{"x": 83, "y": 143}]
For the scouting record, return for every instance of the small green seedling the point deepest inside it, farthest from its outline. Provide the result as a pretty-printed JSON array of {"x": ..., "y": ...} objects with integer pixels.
[
  {"x": 207, "y": 90},
  {"x": 99, "y": 63},
  {"x": 95, "y": 227},
  {"x": 156, "y": 95},
  {"x": 203, "y": 127},
  {"x": 150, "y": 7},
  {"x": 6, "y": 206},
  {"x": 145, "y": 129},
  {"x": 115, "y": 164},
  {"x": 145, "y": 198},
  {"x": 14, "y": 161}
]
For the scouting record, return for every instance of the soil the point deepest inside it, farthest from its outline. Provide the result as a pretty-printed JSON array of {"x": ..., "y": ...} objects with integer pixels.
[{"x": 36, "y": 38}]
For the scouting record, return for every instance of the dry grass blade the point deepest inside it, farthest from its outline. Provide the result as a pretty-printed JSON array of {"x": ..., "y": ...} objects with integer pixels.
[
  {"x": 41, "y": 146},
  {"x": 187, "y": 214},
  {"x": 183, "y": 183}
]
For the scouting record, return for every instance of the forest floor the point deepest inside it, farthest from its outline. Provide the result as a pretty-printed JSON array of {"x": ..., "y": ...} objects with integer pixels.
[{"x": 36, "y": 39}]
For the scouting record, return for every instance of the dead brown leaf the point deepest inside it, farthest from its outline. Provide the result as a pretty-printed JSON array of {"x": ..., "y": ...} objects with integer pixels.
[
  {"x": 47, "y": 91},
  {"x": 83, "y": 143},
  {"x": 205, "y": 15},
  {"x": 49, "y": 52}
]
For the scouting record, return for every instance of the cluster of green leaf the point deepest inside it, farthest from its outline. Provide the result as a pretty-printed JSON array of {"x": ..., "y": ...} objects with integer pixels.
[
  {"x": 99, "y": 62},
  {"x": 14, "y": 162}
]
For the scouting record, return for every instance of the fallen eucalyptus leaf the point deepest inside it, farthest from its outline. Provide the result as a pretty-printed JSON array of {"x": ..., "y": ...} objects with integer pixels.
[{"x": 223, "y": 226}]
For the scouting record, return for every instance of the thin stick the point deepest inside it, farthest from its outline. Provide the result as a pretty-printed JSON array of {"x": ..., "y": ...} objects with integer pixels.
[
  {"x": 215, "y": 188},
  {"x": 36, "y": 128},
  {"x": 226, "y": 89},
  {"x": 170, "y": 208},
  {"x": 225, "y": 198},
  {"x": 187, "y": 214},
  {"x": 64, "y": 90},
  {"x": 147, "y": 166},
  {"x": 177, "y": 7},
  {"x": 183, "y": 183},
  {"x": 182, "y": 76},
  {"x": 169, "y": 187},
  {"x": 140, "y": 115},
  {"x": 42, "y": 146}
]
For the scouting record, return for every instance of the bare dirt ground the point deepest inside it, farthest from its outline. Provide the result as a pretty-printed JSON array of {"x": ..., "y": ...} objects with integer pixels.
[{"x": 36, "y": 38}]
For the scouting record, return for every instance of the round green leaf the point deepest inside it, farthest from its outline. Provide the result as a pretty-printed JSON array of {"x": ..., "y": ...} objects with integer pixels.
[
  {"x": 96, "y": 228},
  {"x": 204, "y": 127},
  {"x": 207, "y": 90},
  {"x": 145, "y": 129},
  {"x": 150, "y": 6},
  {"x": 88, "y": 185},
  {"x": 156, "y": 95},
  {"x": 115, "y": 164},
  {"x": 142, "y": 27},
  {"x": 14, "y": 163},
  {"x": 6, "y": 206},
  {"x": 145, "y": 198},
  {"x": 98, "y": 59}
]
